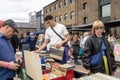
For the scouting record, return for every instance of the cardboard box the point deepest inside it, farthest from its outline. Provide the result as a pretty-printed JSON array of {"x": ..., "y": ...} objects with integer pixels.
[{"x": 33, "y": 65}]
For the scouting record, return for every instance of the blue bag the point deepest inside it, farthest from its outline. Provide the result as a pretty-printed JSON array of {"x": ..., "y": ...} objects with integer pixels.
[
  {"x": 96, "y": 59},
  {"x": 80, "y": 51}
]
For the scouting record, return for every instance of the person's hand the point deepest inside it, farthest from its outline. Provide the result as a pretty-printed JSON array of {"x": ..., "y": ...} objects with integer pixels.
[
  {"x": 36, "y": 51},
  {"x": 113, "y": 73},
  {"x": 19, "y": 58},
  {"x": 58, "y": 46},
  {"x": 13, "y": 66}
]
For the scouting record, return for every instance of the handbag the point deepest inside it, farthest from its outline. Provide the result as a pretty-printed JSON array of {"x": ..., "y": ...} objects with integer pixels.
[
  {"x": 97, "y": 58},
  {"x": 80, "y": 51}
]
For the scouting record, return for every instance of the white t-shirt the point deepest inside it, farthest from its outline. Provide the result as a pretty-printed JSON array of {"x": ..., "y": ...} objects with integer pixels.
[{"x": 53, "y": 37}]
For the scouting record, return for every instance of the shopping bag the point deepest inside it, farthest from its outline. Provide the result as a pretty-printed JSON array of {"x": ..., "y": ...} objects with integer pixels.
[{"x": 80, "y": 51}]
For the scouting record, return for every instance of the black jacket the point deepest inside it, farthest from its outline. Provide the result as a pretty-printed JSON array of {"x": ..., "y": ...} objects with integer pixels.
[
  {"x": 76, "y": 47},
  {"x": 15, "y": 42},
  {"x": 93, "y": 46}
]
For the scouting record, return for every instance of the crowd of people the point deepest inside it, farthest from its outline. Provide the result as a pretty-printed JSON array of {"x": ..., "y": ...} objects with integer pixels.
[{"x": 89, "y": 46}]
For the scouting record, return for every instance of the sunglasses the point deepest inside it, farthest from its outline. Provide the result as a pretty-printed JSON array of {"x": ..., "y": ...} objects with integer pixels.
[{"x": 97, "y": 28}]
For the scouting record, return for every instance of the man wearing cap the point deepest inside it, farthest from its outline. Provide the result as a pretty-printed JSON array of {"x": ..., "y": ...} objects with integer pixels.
[{"x": 7, "y": 57}]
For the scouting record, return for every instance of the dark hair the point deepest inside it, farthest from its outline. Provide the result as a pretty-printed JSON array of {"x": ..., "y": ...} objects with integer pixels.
[{"x": 48, "y": 17}]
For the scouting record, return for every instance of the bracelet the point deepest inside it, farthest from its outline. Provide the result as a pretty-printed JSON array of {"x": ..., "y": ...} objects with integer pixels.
[{"x": 6, "y": 65}]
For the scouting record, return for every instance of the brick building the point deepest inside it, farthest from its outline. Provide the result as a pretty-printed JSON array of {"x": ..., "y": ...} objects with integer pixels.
[
  {"x": 24, "y": 27},
  {"x": 63, "y": 12},
  {"x": 78, "y": 12}
]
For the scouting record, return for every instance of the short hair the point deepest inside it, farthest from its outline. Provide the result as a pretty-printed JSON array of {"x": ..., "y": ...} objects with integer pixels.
[
  {"x": 96, "y": 24},
  {"x": 48, "y": 17}
]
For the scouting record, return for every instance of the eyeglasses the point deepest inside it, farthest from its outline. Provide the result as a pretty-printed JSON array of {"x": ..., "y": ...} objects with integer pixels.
[{"x": 97, "y": 28}]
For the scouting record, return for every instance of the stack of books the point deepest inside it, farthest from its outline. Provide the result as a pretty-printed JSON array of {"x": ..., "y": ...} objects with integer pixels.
[{"x": 98, "y": 76}]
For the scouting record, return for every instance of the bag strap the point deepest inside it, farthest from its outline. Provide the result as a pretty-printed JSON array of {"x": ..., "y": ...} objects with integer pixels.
[
  {"x": 103, "y": 47},
  {"x": 57, "y": 33}
]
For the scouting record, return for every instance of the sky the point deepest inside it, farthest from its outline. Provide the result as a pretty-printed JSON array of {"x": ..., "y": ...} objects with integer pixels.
[{"x": 19, "y": 10}]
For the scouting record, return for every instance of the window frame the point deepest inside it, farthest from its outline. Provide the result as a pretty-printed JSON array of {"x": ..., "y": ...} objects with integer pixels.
[
  {"x": 72, "y": 15},
  {"x": 60, "y": 4},
  {"x": 105, "y": 10},
  {"x": 60, "y": 18},
  {"x": 65, "y": 2},
  {"x": 85, "y": 6},
  {"x": 72, "y": 1},
  {"x": 66, "y": 17},
  {"x": 85, "y": 20}
]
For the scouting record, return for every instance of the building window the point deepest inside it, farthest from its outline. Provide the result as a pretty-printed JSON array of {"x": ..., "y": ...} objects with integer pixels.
[
  {"x": 85, "y": 6},
  {"x": 72, "y": 15},
  {"x": 46, "y": 10},
  {"x": 56, "y": 7},
  {"x": 85, "y": 19},
  {"x": 60, "y": 19},
  {"x": 66, "y": 2},
  {"x": 71, "y": 1},
  {"x": 60, "y": 5},
  {"x": 56, "y": 19},
  {"x": 51, "y": 9},
  {"x": 66, "y": 17},
  {"x": 42, "y": 19},
  {"x": 106, "y": 10}
]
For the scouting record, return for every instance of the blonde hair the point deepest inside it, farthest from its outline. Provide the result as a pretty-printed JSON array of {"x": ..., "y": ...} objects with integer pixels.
[{"x": 97, "y": 24}]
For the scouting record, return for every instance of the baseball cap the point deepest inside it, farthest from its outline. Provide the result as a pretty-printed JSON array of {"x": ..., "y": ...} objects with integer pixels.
[{"x": 11, "y": 23}]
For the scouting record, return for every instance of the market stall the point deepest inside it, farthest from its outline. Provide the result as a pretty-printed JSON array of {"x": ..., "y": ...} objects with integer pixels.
[{"x": 37, "y": 71}]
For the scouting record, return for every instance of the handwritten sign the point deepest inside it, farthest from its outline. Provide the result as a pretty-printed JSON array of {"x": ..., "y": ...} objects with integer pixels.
[{"x": 117, "y": 49}]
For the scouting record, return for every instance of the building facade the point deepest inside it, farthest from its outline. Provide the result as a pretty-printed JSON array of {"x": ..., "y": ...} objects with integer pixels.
[
  {"x": 39, "y": 21},
  {"x": 32, "y": 19},
  {"x": 63, "y": 12},
  {"x": 104, "y": 10},
  {"x": 38, "y": 15},
  {"x": 24, "y": 27},
  {"x": 79, "y": 12},
  {"x": 87, "y": 11}
]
